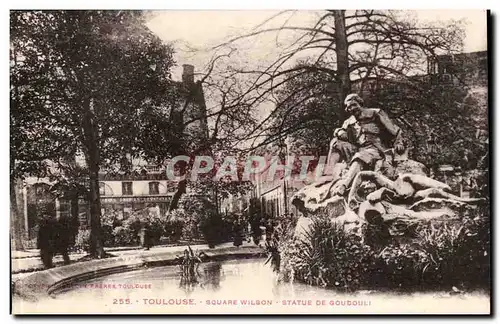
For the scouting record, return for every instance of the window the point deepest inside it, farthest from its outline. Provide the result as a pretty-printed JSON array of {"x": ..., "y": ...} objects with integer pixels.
[
  {"x": 446, "y": 78},
  {"x": 127, "y": 188},
  {"x": 434, "y": 68},
  {"x": 102, "y": 188},
  {"x": 154, "y": 188},
  {"x": 64, "y": 209}
]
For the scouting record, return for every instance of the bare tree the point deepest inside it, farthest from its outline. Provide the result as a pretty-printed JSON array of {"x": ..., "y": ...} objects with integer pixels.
[
  {"x": 351, "y": 48},
  {"x": 205, "y": 120}
]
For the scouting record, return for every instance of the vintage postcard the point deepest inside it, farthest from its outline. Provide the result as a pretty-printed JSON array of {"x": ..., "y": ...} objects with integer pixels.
[{"x": 250, "y": 162}]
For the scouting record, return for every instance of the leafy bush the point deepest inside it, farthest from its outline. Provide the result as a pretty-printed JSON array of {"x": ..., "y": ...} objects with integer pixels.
[
  {"x": 190, "y": 230},
  {"x": 109, "y": 221},
  {"x": 458, "y": 253},
  {"x": 192, "y": 211},
  {"x": 82, "y": 240},
  {"x": 173, "y": 229},
  {"x": 135, "y": 221},
  {"x": 201, "y": 220},
  {"x": 195, "y": 219},
  {"x": 327, "y": 256},
  {"x": 238, "y": 229},
  {"x": 441, "y": 256},
  {"x": 124, "y": 235},
  {"x": 155, "y": 225},
  {"x": 123, "y": 232},
  {"x": 212, "y": 228}
]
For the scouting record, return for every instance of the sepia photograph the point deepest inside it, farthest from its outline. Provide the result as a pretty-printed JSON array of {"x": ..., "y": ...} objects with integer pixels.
[{"x": 185, "y": 162}]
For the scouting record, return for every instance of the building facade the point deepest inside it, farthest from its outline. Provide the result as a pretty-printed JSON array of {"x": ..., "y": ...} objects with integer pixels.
[{"x": 470, "y": 69}]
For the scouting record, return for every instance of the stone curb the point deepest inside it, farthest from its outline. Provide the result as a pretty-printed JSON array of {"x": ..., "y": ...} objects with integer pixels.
[
  {"x": 42, "y": 284},
  {"x": 111, "y": 249}
]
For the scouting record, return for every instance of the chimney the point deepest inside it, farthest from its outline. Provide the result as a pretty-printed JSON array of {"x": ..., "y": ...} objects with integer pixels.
[{"x": 187, "y": 73}]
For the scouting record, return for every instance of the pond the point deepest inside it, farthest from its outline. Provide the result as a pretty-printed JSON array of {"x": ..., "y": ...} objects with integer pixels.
[{"x": 239, "y": 287}]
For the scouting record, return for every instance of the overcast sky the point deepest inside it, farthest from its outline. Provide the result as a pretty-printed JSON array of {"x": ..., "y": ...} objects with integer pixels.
[{"x": 203, "y": 29}]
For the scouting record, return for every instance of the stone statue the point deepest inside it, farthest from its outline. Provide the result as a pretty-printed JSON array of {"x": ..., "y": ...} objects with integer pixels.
[
  {"x": 379, "y": 184},
  {"x": 362, "y": 141},
  {"x": 410, "y": 195}
]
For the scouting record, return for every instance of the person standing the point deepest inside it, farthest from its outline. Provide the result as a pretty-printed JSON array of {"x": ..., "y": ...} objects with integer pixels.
[{"x": 45, "y": 240}]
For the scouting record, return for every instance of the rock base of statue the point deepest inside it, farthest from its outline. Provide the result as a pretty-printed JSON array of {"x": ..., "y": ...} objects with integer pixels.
[{"x": 392, "y": 203}]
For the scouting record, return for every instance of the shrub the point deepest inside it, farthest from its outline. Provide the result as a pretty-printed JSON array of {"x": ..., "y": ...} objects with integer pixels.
[
  {"x": 156, "y": 227},
  {"x": 238, "y": 228},
  {"x": 212, "y": 228},
  {"x": 135, "y": 221},
  {"x": 109, "y": 221},
  {"x": 441, "y": 256},
  {"x": 327, "y": 256},
  {"x": 173, "y": 229},
  {"x": 201, "y": 220},
  {"x": 124, "y": 235},
  {"x": 131, "y": 227},
  {"x": 82, "y": 240},
  {"x": 397, "y": 267},
  {"x": 192, "y": 211},
  {"x": 458, "y": 254}
]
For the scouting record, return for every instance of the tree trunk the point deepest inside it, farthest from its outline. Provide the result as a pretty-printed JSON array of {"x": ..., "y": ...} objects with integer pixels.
[
  {"x": 16, "y": 223},
  {"x": 181, "y": 189},
  {"x": 74, "y": 208},
  {"x": 92, "y": 157},
  {"x": 216, "y": 198},
  {"x": 96, "y": 248},
  {"x": 74, "y": 216},
  {"x": 342, "y": 53}
]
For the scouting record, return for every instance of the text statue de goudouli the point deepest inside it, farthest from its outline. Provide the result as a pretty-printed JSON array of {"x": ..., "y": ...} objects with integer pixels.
[{"x": 378, "y": 177}]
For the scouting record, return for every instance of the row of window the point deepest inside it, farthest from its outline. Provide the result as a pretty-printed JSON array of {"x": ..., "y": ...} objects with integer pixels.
[{"x": 127, "y": 188}]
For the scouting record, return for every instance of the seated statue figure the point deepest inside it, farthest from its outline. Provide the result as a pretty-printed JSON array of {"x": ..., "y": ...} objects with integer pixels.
[{"x": 362, "y": 141}]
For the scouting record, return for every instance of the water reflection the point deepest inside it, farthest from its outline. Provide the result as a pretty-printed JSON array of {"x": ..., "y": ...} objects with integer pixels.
[
  {"x": 191, "y": 276},
  {"x": 213, "y": 274},
  {"x": 206, "y": 276},
  {"x": 240, "y": 282}
]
